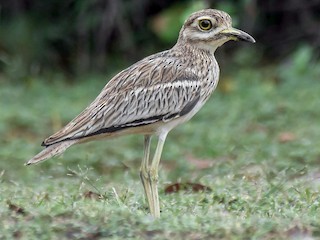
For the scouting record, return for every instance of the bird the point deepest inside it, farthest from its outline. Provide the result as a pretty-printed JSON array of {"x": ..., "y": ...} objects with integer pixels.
[{"x": 153, "y": 96}]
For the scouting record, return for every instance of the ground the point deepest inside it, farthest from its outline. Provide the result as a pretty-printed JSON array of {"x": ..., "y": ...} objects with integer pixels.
[{"x": 255, "y": 144}]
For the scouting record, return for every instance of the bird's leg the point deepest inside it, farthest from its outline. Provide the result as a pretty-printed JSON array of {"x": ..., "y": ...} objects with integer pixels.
[
  {"x": 149, "y": 173},
  {"x": 153, "y": 177},
  {"x": 144, "y": 169}
]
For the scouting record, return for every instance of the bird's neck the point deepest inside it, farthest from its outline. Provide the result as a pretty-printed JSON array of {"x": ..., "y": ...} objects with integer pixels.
[
  {"x": 194, "y": 50},
  {"x": 198, "y": 46},
  {"x": 201, "y": 62}
]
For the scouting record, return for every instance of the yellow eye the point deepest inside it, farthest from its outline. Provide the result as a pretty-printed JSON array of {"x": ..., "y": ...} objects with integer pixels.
[{"x": 205, "y": 24}]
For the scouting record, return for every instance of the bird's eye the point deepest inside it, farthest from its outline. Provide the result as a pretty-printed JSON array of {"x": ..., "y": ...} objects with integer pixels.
[{"x": 205, "y": 24}]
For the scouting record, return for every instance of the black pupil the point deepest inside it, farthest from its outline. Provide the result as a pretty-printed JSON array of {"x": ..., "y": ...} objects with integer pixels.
[{"x": 205, "y": 24}]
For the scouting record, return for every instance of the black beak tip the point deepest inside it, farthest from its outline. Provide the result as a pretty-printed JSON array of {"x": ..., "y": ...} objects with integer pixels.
[{"x": 247, "y": 38}]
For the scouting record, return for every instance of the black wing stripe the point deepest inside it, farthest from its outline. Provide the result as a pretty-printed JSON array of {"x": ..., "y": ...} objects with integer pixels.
[
  {"x": 137, "y": 123},
  {"x": 142, "y": 122}
]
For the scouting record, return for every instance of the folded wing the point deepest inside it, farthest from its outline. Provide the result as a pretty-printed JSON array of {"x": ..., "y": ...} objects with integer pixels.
[{"x": 158, "y": 88}]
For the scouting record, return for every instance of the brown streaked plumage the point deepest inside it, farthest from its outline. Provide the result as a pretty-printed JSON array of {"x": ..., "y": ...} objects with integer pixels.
[{"x": 154, "y": 95}]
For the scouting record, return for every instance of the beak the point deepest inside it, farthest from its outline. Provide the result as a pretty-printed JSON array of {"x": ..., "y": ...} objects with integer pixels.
[{"x": 237, "y": 35}]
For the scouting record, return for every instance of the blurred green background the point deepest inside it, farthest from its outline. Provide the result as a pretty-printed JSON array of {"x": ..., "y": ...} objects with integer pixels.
[
  {"x": 255, "y": 143},
  {"x": 73, "y": 38}
]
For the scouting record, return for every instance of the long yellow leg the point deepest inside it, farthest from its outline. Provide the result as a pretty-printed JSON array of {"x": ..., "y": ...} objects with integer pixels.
[
  {"x": 149, "y": 174},
  {"x": 144, "y": 169},
  {"x": 153, "y": 176}
]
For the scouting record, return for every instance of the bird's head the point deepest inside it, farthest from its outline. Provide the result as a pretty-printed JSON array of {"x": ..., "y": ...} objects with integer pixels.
[{"x": 209, "y": 29}]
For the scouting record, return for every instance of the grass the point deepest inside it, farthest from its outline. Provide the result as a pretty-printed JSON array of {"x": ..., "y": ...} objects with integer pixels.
[{"x": 255, "y": 144}]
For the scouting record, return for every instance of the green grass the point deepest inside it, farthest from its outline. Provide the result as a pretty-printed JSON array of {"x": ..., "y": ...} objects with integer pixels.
[{"x": 258, "y": 137}]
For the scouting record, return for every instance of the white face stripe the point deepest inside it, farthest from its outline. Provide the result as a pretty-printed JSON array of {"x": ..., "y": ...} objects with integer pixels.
[
  {"x": 198, "y": 34},
  {"x": 211, "y": 39},
  {"x": 205, "y": 17}
]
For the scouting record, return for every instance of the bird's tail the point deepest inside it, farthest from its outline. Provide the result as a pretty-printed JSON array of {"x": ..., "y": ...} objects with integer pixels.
[{"x": 51, "y": 151}]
